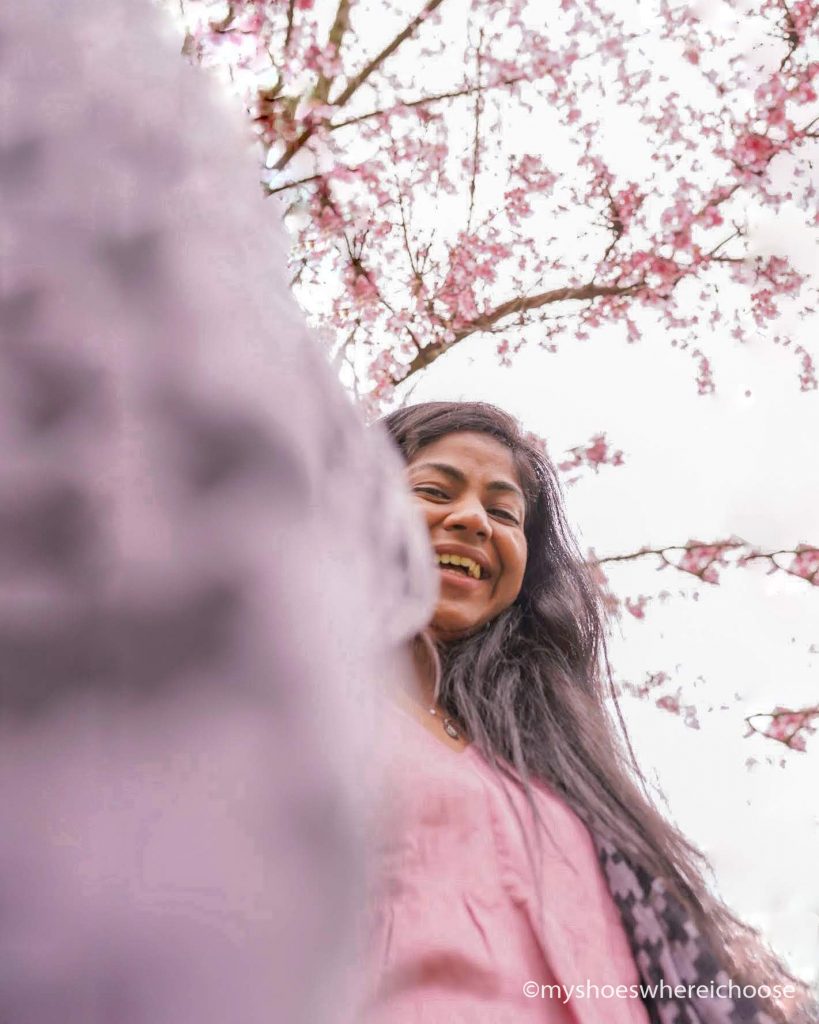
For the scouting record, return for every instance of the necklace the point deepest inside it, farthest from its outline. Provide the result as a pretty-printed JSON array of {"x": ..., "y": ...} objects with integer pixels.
[{"x": 446, "y": 721}]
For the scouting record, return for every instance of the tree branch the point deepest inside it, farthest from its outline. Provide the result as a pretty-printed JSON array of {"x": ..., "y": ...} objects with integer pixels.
[
  {"x": 335, "y": 38},
  {"x": 584, "y": 293},
  {"x": 291, "y": 4},
  {"x": 356, "y": 82},
  {"x": 615, "y": 225},
  {"x": 293, "y": 184},
  {"x": 790, "y": 34},
  {"x": 702, "y": 557}
]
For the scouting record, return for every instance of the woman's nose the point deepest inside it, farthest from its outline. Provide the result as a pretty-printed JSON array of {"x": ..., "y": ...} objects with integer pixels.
[{"x": 469, "y": 515}]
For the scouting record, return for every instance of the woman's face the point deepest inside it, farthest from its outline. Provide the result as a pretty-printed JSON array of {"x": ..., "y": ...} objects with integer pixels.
[{"x": 468, "y": 488}]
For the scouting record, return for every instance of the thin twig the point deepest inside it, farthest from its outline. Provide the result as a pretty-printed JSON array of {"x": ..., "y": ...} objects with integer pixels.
[
  {"x": 423, "y": 100},
  {"x": 476, "y": 148},
  {"x": 290, "y": 9}
]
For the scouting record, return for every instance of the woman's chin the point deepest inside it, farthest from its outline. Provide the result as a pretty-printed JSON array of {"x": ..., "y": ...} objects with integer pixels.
[{"x": 446, "y": 628}]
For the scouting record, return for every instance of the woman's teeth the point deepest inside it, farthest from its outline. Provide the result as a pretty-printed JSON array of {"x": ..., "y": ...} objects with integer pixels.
[{"x": 472, "y": 568}]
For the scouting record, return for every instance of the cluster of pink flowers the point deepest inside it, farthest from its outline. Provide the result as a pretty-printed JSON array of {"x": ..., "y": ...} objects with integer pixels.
[
  {"x": 807, "y": 377},
  {"x": 672, "y": 703},
  {"x": 626, "y": 203},
  {"x": 642, "y": 690},
  {"x": 371, "y": 156},
  {"x": 533, "y": 173},
  {"x": 667, "y": 702},
  {"x": 595, "y": 454},
  {"x": 704, "y": 561},
  {"x": 806, "y": 564},
  {"x": 753, "y": 152},
  {"x": 792, "y": 727},
  {"x": 637, "y": 606},
  {"x": 802, "y": 16},
  {"x": 360, "y": 286},
  {"x": 323, "y": 59}
]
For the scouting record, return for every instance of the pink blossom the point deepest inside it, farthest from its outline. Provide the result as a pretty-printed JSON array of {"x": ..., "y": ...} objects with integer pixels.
[
  {"x": 806, "y": 564},
  {"x": 705, "y": 379},
  {"x": 711, "y": 217},
  {"x": 703, "y": 560},
  {"x": 534, "y": 174},
  {"x": 804, "y": 93},
  {"x": 792, "y": 727},
  {"x": 803, "y": 13},
  {"x": 807, "y": 376},
  {"x": 627, "y": 202},
  {"x": 360, "y": 286},
  {"x": 754, "y": 151},
  {"x": 669, "y": 702},
  {"x": 690, "y": 716},
  {"x": 763, "y": 306},
  {"x": 594, "y": 455}
]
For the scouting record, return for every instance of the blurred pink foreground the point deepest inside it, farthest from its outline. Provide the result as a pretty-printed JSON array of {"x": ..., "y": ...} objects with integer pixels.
[{"x": 206, "y": 563}]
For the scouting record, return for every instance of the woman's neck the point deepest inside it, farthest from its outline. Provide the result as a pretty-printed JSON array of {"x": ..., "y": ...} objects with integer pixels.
[{"x": 423, "y": 682}]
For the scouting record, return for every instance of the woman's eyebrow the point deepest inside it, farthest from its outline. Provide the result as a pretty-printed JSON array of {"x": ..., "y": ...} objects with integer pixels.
[{"x": 455, "y": 474}]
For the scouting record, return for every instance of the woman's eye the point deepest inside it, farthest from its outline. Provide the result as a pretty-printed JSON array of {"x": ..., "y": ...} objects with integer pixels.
[{"x": 436, "y": 492}]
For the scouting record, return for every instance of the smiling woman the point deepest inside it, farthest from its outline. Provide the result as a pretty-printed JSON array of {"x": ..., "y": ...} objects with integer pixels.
[{"x": 512, "y": 663}]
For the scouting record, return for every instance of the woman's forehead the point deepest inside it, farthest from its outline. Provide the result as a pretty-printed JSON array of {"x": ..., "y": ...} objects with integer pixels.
[{"x": 469, "y": 446}]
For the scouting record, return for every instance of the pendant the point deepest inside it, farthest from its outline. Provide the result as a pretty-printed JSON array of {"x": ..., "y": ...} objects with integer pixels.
[{"x": 450, "y": 730}]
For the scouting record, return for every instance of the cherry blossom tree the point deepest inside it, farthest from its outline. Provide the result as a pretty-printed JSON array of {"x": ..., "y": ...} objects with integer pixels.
[{"x": 522, "y": 172}]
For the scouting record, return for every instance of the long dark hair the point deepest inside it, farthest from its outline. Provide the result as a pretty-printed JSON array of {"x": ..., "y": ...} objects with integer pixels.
[{"x": 528, "y": 688}]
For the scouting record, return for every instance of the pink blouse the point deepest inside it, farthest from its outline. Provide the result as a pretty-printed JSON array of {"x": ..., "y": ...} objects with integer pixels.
[{"x": 456, "y": 928}]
